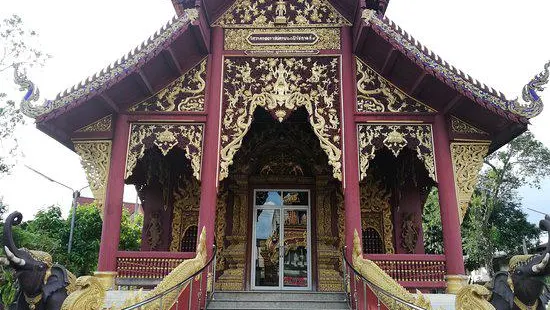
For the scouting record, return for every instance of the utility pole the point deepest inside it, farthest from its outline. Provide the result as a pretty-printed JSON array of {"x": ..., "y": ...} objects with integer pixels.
[{"x": 76, "y": 194}]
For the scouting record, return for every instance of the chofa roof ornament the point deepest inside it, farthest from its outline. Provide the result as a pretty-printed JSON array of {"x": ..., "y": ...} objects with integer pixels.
[
  {"x": 435, "y": 65},
  {"x": 32, "y": 94},
  {"x": 533, "y": 103}
]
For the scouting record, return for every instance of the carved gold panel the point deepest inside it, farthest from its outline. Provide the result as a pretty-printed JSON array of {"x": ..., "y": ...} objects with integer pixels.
[
  {"x": 102, "y": 125},
  {"x": 165, "y": 136},
  {"x": 376, "y": 94},
  {"x": 460, "y": 126},
  {"x": 95, "y": 157},
  {"x": 467, "y": 163},
  {"x": 280, "y": 86},
  {"x": 278, "y": 13},
  {"x": 376, "y": 211},
  {"x": 185, "y": 211},
  {"x": 185, "y": 94},
  {"x": 238, "y": 39},
  {"x": 395, "y": 137}
]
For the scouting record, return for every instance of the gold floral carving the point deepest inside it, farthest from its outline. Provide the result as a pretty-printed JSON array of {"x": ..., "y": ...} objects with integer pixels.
[
  {"x": 185, "y": 94},
  {"x": 460, "y": 126},
  {"x": 102, "y": 125},
  {"x": 95, "y": 158},
  {"x": 473, "y": 297},
  {"x": 221, "y": 223},
  {"x": 467, "y": 163},
  {"x": 376, "y": 211},
  {"x": 281, "y": 85},
  {"x": 237, "y": 39},
  {"x": 409, "y": 233},
  {"x": 165, "y": 136},
  {"x": 376, "y": 275},
  {"x": 89, "y": 295},
  {"x": 417, "y": 137},
  {"x": 185, "y": 210},
  {"x": 154, "y": 231},
  {"x": 376, "y": 94},
  {"x": 273, "y": 13}
]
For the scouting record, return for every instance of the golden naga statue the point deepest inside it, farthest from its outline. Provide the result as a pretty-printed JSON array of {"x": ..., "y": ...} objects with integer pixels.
[{"x": 377, "y": 276}]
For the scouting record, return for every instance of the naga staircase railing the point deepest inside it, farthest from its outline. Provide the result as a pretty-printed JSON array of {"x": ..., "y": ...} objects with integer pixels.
[
  {"x": 157, "y": 301},
  {"x": 355, "y": 284}
]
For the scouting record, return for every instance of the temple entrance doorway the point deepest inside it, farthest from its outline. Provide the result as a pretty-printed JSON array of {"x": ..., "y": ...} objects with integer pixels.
[
  {"x": 281, "y": 240},
  {"x": 280, "y": 211}
]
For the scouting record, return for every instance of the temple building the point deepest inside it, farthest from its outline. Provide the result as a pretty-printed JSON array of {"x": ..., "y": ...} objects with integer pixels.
[{"x": 282, "y": 127}]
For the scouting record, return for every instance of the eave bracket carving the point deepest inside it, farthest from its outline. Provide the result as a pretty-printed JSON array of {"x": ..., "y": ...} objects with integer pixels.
[
  {"x": 467, "y": 163},
  {"x": 95, "y": 157}
]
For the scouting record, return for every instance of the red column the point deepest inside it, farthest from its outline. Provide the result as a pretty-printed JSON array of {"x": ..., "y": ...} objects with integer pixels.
[
  {"x": 110, "y": 233},
  {"x": 452, "y": 240},
  {"x": 349, "y": 145},
  {"x": 209, "y": 178}
]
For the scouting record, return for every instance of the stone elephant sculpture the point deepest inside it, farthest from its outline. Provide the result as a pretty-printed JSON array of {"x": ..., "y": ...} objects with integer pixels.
[
  {"x": 42, "y": 284},
  {"x": 522, "y": 287}
]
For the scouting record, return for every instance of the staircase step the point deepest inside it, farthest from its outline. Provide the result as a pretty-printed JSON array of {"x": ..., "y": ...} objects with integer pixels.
[{"x": 278, "y": 300}]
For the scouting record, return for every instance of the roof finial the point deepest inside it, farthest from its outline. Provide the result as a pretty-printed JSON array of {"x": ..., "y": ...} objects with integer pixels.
[
  {"x": 31, "y": 96},
  {"x": 532, "y": 105}
]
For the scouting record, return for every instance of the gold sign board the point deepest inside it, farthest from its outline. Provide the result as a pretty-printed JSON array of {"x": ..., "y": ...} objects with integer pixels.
[{"x": 277, "y": 39}]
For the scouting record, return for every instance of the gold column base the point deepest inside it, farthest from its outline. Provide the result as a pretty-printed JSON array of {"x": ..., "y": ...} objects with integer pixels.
[
  {"x": 106, "y": 278},
  {"x": 455, "y": 283}
]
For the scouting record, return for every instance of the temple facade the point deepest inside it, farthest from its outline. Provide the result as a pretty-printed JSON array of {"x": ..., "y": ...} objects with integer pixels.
[{"x": 282, "y": 128}]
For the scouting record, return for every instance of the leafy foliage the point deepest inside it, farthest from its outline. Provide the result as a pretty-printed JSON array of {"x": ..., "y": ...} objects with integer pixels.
[
  {"x": 495, "y": 222},
  {"x": 18, "y": 47}
]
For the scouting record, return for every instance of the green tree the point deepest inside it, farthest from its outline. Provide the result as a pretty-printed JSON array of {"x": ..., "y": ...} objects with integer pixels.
[
  {"x": 130, "y": 231},
  {"x": 18, "y": 47}
]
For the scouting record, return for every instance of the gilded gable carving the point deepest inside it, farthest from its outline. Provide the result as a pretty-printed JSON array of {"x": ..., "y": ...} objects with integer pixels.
[
  {"x": 460, "y": 126},
  {"x": 417, "y": 137},
  {"x": 376, "y": 94},
  {"x": 272, "y": 13},
  {"x": 185, "y": 94},
  {"x": 102, "y": 125},
  {"x": 467, "y": 163},
  {"x": 281, "y": 85},
  {"x": 165, "y": 136}
]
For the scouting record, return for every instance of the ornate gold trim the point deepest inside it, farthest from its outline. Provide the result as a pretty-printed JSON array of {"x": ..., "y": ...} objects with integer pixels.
[
  {"x": 102, "y": 125},
  {"x": 281, "y": 85},
  {"x": 185, "y": 94},
  {"x": 185, "y": 210},
  {"x": 95, "y": 158},
  {"x": 376, "y": 94},
  {"x": 473, "y": 297},
  {"x": 271, "y": 14},
  {"x": 395, "y": 137},
  {"x": 375, "y": 204},
  {"x": 88, "y": 296},
  {"x": 327, "y": 38},
  {"x": 467, "y": 163},
  {"x": 460, "y": 126},
  {"x": 165, "y": 136}
]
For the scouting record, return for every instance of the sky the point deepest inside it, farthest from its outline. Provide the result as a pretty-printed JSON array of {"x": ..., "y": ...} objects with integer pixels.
[{"x": 502, "y": 43}]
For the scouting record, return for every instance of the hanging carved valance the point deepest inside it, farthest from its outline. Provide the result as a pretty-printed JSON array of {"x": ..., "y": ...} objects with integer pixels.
[
  {"x": 281, "y": 85},
  {"x": 95, "y": 157},
  {"x": 185, "y": 94},
  {"x": 376, "y": 212},
  {"x": 417, "y": 137},
  {"x": 273, "y": 13},
  {"x": 376, "y": 94},
  {"x": 165, "y": 136},
  {"x": 102, "y": 125},
  {"x": 185, "y": 212},
  {"x": 467, "y": 163}
]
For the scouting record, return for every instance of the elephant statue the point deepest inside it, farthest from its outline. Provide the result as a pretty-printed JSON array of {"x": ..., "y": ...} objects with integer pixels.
[
  {"x": 521, "y": 287},
  {"x": 42, "y": 284}
]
